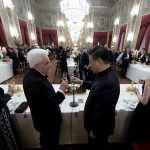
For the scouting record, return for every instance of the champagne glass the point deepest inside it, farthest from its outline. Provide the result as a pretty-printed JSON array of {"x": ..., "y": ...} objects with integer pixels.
[
  {"x": 64, "y": 76},
  {"x": 73, "y": 90}
]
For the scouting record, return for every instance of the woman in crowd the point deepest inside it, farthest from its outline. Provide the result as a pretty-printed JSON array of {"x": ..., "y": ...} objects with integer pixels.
[
  {"x": 140, "y": 123},
  {"x": 13, "y": 55},
  {"x": 7, "y": 138}
]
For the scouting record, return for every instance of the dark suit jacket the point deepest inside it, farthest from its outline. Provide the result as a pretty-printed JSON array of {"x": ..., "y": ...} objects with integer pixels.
[
  {"x": 43, "y": 101},
  {"x": 143, "y": 59},
  {"x": 125, "y": 60},
  {"x": 83, "y": 59},
  {"x": 148, "y": 60},
  {"x": 21, "y": 57},
  {"x": 99, "y": 111},
  {"x": 63, "y": 61}
]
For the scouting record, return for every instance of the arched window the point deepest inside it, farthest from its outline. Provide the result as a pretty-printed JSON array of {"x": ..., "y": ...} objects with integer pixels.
[
  {"x": 3, "y": 41},
  {"x": 24, "y": 32},
  {"x": 144, "y": 33},
  {"x": 100, "y": 38},
  {"x": 110, "y": 38},
  {"x": 49, "y": 36},
  {"x": 38, "y": 33},
  {"x": 122, "y": 36}
]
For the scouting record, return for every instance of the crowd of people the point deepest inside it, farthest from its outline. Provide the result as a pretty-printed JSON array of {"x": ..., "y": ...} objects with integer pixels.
[
  {"x": 18, "y": 55},
  {"x": 95, "y": 74}
]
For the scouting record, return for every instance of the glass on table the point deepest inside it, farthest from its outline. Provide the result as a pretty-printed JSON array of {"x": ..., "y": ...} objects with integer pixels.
[{"x": 135, "y": 83}]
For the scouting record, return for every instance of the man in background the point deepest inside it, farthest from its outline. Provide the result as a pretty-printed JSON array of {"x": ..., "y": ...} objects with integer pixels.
[{"x": 83, "y": 60}]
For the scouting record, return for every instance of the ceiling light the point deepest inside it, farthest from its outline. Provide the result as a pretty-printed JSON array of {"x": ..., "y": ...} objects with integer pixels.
[
  {"x": 130, "y": 37},
  {"x": 61, "y": 39},
  {"x": 90, "y": 25},
  {"x": 75, "y": 10},
  {"x": 89, "y": 40},
  {"x": 13, "y": 31},
  {"x": 8, "y": 4},
  {"x": 116, "y": 21},
  {"x": 60, "y": 23},
  {"x": 30, "y": 16},
  {"x": 33, "y": 37}
]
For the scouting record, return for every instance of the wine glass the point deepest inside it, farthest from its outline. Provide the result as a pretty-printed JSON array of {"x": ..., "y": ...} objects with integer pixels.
[{"x": 64, "y": 76}]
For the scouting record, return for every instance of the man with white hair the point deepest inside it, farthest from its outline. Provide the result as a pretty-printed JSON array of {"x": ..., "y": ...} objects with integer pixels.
[{"x": 42, "y": 98}]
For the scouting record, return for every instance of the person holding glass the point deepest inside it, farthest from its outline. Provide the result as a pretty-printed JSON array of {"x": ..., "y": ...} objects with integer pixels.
[
  {"x": 43, "y": 100},
  {"x": 99, "y": 110},
  {"x": 140, "y": 123},
  {"x": 8, "y": 139}
]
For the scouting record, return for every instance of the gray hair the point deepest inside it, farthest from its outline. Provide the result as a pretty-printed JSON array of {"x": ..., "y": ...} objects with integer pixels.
[{"x": 35, "y": 56}]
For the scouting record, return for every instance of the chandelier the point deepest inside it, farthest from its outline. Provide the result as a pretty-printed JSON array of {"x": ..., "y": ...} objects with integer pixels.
[{"x": 75, "y": 10}]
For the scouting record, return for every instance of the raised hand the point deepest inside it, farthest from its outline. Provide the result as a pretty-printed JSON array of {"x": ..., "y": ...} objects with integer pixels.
[
  {"x": 10, "y": 90},
  {"x": 64, "y": 85},
  {"x": 136, "y": 91},
  {"x": 76, "y": 80}
]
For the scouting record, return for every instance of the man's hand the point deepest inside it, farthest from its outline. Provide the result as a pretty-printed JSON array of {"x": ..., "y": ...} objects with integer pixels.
[
  {"x": 141, "y": 81},
  {"x": 64, "y": 85},
  {"x": 10, "y": 90},
  {"x": 76, "y": 80}
]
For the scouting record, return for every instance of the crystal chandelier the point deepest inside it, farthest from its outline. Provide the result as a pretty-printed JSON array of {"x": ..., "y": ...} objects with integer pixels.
[
  {"x": 75, "y": 10},
  {"x": 75, "y": 30}
]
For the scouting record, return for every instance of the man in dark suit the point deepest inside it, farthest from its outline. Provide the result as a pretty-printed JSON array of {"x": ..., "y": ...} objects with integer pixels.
[
  {"x": 21, "y": 57},
  {"x": 142, "y": 58},
  {"x": 63, "y": 61},
  {"x": 12, "y": 55},
  {"x": 148, "y": 59},
  {"x": 125, "y": 62},
  {"x": 99, "y": 111},
  {"x": 83, "y": 63},
  {"x": 43, "y": 100}
]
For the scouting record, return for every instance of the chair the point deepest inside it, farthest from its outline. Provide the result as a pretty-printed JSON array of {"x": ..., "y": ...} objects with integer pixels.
[
  {"x": 21, "y": 69},
  {"x": 145, "y": 145}
]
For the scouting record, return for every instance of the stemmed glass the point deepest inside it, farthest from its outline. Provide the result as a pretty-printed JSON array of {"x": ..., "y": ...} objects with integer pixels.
[
  {"x": 73, "y": 90},
  {"x": 64, "y": 76}
]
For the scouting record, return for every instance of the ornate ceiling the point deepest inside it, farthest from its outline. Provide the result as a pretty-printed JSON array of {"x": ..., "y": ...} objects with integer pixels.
[
  {"x": 55, "y": 3},
  {"x": 47, "y": 13},
  {"x": 50, "y": 9}
]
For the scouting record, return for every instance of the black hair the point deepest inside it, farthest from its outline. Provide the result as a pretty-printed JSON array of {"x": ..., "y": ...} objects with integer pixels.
[
  {"x": 61, "y": 47},
  {"x": 101, "y": 52}
]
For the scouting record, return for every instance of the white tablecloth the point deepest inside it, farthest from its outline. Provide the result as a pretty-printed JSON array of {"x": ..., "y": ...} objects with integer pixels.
[
  {"x": 138, "y": 71},
  {"x": 72, "y": 129},
  {"x": 6, "y": 71},
  {"x": 71, "y": 66}
]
